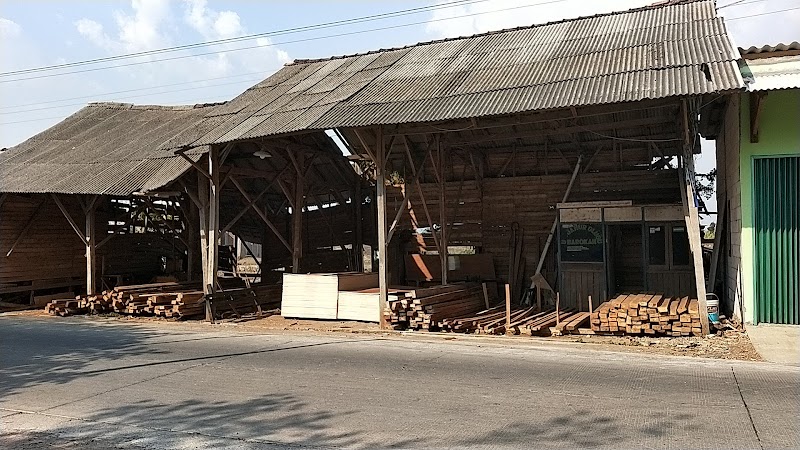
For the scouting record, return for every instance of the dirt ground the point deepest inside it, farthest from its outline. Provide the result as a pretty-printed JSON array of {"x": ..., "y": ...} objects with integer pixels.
[{"x": 726, "y": 344}]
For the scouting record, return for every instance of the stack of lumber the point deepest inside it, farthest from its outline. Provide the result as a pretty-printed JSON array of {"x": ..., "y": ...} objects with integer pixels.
[
  {"x": 429, "y": 308},
  {"x": 168, "y": 299},
  {"x": 652, "y": 314},
  {"x": 237, "y": 303},
  {"x": 63, "y": 307},
  {"x": 316, "y": 296}
]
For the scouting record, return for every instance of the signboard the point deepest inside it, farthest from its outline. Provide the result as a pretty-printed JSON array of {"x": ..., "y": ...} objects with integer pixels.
[{"x": 581, "y": 242}]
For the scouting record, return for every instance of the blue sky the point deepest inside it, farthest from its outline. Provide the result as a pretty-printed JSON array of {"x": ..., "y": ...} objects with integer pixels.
[{"x": 36, "y": 33}]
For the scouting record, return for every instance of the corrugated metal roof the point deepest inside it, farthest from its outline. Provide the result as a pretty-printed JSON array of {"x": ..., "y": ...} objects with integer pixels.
[
  {"x": 770, "y": 48},
  {"x": 105, "y": 148},
  {"x": 766, "y": 74},
  {"x": 646, "y": 53}
]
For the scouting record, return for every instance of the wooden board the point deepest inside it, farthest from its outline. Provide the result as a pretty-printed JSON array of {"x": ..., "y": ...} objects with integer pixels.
[
  {"x": 316, "y": 295},
  {"x": 361, "y": 306}
]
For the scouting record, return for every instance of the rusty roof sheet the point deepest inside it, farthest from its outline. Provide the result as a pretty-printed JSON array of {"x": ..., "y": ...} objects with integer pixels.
[
  {"x": 794, "y": 46},
  {"x": 104, "y": 148},
  {"x": 646, "y": 53}
]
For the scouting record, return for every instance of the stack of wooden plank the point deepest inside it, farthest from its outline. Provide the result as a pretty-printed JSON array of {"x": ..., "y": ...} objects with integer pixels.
[
  {"x": 652, "y": 314},
  {"x": 169, "y": 299},
  {"x": 237, "y": 303},
  {"x": 64, "y": 307},
  {"x": 428, "y": 308}
]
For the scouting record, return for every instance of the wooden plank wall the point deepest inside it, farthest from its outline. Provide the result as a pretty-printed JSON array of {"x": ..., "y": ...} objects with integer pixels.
[
  {"x": 484, "y": 212},
  {"x": 49, "y": 249}
]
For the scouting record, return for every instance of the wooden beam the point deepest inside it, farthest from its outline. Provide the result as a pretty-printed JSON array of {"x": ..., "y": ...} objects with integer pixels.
[
  {"x": 718, "y": 231},
  {"x": 756, "y": 106},
  {"x": 91, "y": 250},
  {"x": 383, "y": 247},
  {"x": 442, "y": 209},
  {"x": 406, "y": 197},
  {"x": 194, "y": 164},
  {"x": 364, "y": 145},
  {"x": 37, "y": 209},
  {"x": 69, "y": 218},
  {"x": 202, "y": 214},
  {"x": 297, "y": 213},
  {"x": 214, "y": 168},
  {"x": 261, "y": 214},
  {"x": 250, "y": 203},
  {"x": 414, "y": 171}
]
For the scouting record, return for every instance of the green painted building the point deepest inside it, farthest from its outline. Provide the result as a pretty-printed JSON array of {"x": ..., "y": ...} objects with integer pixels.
[{"x": 758, "y": 190}]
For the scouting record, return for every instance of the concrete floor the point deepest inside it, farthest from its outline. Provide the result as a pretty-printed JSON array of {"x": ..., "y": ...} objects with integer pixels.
[
  {"x": 776, "y": 343},
  {"x": 82, "y": 383}
]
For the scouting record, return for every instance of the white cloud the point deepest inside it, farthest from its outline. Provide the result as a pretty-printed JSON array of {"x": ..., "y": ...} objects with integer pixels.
[
  {"x": 9, "y": 28},
  {"x": 210, "y": 23},
  {"x": 499, "y": 14}
]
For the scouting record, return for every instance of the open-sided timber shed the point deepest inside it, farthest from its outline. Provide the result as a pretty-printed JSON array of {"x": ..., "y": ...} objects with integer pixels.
[
  {"x": 484, "y": 135},
  {"x": 100, "y": 193}
]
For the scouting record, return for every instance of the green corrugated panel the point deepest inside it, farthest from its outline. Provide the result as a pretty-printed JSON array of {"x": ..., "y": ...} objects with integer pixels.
[{"x": 776, "y": 205}]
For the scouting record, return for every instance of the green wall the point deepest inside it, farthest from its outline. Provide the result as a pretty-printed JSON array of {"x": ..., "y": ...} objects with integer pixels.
[{"x": 779, "y": 135}]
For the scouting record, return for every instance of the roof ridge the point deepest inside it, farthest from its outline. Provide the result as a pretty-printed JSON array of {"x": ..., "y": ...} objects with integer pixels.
[
  {"x": 656, "y": 5},
  {"x": 122, "y": 105}
]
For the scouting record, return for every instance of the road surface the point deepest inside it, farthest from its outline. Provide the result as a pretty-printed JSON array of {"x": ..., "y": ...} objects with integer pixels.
[{"x": 83, "y": 383}]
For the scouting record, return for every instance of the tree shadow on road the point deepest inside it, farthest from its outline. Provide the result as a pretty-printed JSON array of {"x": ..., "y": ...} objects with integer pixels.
[
  {"x": 586, "y": 428},
  {"x": 33, "y": 353},
  {"x": 268, "y": 421}
]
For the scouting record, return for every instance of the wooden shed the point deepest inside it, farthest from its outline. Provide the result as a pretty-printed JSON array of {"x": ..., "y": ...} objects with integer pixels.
[
  {"x": 475, "y": 141},
  {"x": 96, "y": 199}
]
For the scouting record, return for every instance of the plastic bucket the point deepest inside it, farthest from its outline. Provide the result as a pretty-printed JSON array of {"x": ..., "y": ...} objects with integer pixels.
[{"x": 713, "y": 309}]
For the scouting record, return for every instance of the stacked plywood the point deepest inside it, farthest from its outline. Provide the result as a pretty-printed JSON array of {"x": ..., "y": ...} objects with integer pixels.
[
  {"x": 316, "y": 296},
  {"x": 359, "y": 305},
  {"x": 648, "y": 314}
]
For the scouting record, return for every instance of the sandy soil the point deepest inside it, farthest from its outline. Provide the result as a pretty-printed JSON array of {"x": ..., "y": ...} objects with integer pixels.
[{"x": 727, "y": 344}]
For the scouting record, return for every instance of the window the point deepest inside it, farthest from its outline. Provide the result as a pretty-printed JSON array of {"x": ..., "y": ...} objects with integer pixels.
[
  {"x": 668, "y": 245},
  {"x": 657, "y": 245},
  {"x": 681, "y": 255}
]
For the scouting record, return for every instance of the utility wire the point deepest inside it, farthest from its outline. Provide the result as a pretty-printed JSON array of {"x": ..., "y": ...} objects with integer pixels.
[
  {"x": 761, "y": 14},
  {"x": 133, "y": 90},
  {"x": 62, "y": 117},
  {"x": 304, "y": 28},
  {"x": 284, "y": 42},
  {"x": 249, "y": 80}
]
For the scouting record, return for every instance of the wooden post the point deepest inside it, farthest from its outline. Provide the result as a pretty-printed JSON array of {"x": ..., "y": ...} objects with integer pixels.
[
  {"x": 358, "y": 239},
  {"x": 442, "y": 209},
  {"x": 383, "y": 247},
  {"x": 485, "y": 295},
  {"x": 691, "y": 216},
  {"x": 558, "y": 308},
  {"x": 297, "y": 215},
  {"x": 210, "y": 280},
  {"x": 591, "y": 306},
  {"x": 202, "y": 214},
  {"x": 91, "y": 256},
  {"x": 508, "y": 306}
]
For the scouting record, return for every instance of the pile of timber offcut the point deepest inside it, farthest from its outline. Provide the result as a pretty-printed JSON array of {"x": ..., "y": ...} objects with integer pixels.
[
  {"x": 648, "y": 314},
  {"x": 427, "y": 308},
  {"x": 521, "y": 321}
]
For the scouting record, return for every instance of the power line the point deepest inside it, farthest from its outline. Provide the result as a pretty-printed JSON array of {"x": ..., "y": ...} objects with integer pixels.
[
  {"x": 182, "y": 102},
  {"x": 304, "y": 28},
  {"x": 249, "y": 80},
  {"x": 762, "y": 14},
  {"x": 285, "y": 42},
  {"x": 741, "y": 3},
  {"x": 131, "y": 90}
]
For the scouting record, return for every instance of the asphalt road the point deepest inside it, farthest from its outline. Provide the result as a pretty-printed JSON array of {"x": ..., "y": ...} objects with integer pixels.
[{"x": 90, "y": 383}]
